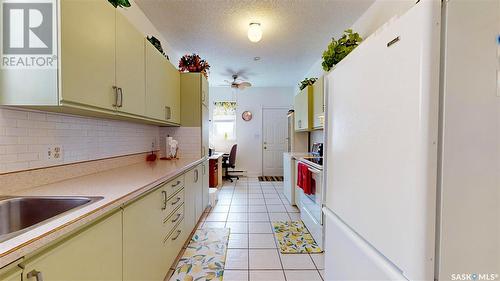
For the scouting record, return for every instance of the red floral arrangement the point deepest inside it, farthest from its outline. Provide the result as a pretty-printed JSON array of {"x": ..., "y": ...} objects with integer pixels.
[{"x": 193, "y": 63}]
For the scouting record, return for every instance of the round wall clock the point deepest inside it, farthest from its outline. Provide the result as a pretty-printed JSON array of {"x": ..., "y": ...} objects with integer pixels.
[{"x": 247, "y": 115}]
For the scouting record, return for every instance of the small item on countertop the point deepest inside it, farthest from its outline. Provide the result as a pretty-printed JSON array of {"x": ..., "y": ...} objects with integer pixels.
[
  {"x": 151, "y": 157},
  {"x": 171, "y": 148}
]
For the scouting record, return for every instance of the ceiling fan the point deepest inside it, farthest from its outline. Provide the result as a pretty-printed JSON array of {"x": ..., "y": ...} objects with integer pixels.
[{"x": 237, "y": 83}]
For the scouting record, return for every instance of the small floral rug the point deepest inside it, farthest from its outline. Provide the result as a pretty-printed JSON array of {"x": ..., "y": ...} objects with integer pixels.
[
  {"x": 204, "y": 257},
  {"x": 294, "y": 238}
]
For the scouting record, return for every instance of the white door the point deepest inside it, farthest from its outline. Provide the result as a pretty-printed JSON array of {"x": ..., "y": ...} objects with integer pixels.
[{"x": 274, "y": 127}]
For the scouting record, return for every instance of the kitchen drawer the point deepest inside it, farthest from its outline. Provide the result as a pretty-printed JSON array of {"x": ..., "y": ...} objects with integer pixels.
[
  {"x": 173, "y": 243},
  {"x": 174, "y": 202},
  {"x": 170, "y": 223},
  {"x": 174, "y": 185}
]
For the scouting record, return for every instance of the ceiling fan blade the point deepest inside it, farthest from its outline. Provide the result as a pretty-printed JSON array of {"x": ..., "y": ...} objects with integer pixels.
[{"x": 244, "y": 85}]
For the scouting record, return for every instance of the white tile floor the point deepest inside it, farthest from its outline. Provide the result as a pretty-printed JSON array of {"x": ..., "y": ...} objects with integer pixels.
[{"x": 248, "y": 207}]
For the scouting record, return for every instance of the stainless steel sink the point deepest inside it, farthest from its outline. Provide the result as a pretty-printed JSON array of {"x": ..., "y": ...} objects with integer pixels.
[{"x": 20, "y": 214}]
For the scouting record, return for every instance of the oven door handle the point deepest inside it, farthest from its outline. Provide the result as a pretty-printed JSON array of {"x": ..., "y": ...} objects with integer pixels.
[{"x": 312, "y": 170}]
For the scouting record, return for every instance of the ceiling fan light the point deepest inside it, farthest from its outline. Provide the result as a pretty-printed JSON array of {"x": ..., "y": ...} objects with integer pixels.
[{"x": 254, "y": 32}]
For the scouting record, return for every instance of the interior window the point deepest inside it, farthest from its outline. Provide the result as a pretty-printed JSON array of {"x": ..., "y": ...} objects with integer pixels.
[{"x": 224, "y": 125}]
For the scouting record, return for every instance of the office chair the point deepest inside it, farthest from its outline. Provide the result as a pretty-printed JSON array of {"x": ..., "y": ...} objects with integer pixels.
[{"x": 230, "y": 162}]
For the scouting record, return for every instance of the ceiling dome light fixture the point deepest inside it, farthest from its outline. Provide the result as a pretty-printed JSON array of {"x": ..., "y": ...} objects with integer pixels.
[{"x": 254, "y": 32}]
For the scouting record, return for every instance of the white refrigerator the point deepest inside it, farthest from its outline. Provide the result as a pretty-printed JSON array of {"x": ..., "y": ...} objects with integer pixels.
[{"x": 408, "y": 110}]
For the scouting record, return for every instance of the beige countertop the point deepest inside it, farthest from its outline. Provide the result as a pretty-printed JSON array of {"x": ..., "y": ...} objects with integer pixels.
[
  {"x": 117, "y": 186},
  {"x": 216, "y": 155}
]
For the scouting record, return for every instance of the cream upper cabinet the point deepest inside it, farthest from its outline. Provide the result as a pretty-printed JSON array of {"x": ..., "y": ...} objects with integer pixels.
[
  {"x": 303, "y": 104},
  {"x": 88, "y": 53},
  {"x": 204, "y": 91},
  {"x": 162, "y": 87},
  {"x": 194, "y": 106},
  {"x": 173, "y": 94},
  {"x": 130, "y": 68},
  {"x": 318, "y": 104},
  {"x": 156, "y": 83},
  {"x": 105, "y": 70},
  {"x": 92, "y": 254},
  {"x": 205, "y": 130}
]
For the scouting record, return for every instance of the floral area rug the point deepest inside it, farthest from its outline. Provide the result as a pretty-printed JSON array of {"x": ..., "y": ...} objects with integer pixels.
[
  {"x": 204, "y": 257},
  {"x": 294, "y": 238}
]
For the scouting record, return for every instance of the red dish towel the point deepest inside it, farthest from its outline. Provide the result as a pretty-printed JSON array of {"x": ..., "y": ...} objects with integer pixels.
[{"x": 304, "y": 179}]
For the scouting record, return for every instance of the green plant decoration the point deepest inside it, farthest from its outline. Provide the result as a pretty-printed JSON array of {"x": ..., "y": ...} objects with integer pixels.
[
  {"x": 307, "y": 82},
  {"x": 157, "y": 44},
  {"x": 339, "y": 49},
  {"x": 120, "y": 3}
]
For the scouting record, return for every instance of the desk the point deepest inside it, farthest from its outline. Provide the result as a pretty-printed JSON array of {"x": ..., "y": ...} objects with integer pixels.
[{"x": 215, "y": 169}]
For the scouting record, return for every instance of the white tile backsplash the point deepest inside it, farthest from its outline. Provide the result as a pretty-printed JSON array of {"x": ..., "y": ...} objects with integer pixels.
[
  {"x": 25, "y": 137},
  {"x": 189, "y": 139}
]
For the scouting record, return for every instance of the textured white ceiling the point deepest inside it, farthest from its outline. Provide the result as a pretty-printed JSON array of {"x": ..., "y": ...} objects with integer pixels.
[{"x": 295, "y": 34}]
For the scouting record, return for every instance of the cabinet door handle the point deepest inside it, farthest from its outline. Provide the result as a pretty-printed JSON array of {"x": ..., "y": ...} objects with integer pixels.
[
  {"x": 164, "y": 193},
  {"x": 120, "y": 97},
  {"x": 176, "y": 201},
  {"x": 115, "y": 89},
  {"x": 196, "y": 176},
  {"x": 36, "y": 274},
  {"x": 177, "y": 218},
  {"x": 168, "y": 113},
  {"x": 177, "y": 236}
]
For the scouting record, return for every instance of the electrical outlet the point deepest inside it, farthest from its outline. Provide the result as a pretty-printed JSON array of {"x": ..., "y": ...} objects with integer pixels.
[{"x": 55, "y": 152}]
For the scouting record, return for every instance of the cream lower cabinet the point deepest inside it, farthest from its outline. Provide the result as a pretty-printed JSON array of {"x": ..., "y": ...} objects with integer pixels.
[
  {"x": 11, "y": 272},
  {"x": 192, "y": 209},
  {"x": 144, "y": 256},
  {"x": 94, "y": 253},
  {"x": 206, "y": 183},
  {"x": 154, "y": 231},
  {"x": 139, "y": 242}
]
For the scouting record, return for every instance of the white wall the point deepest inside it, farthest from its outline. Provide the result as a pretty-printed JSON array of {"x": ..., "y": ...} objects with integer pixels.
[
  {"x": 137, "y": 17},
  {"x": 249, "y": 134}
]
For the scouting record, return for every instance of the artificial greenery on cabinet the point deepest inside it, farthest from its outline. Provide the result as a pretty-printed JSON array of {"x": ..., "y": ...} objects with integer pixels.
[
  {"x": 339, "y": 49},
  {"x": 120, "y": 3},
  {"x": 307, "y": 82}
]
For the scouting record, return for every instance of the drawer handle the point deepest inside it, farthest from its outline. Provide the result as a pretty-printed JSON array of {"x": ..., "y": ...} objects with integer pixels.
[
  {"x": 37, "y": 274},
  {"x": 164, "y": 193},
  {"x": 177, "y": 236},
  {"x": 176, "y": 184},
  {"x": 176, "y": 201},
  {"x": 177, "y": 218}
]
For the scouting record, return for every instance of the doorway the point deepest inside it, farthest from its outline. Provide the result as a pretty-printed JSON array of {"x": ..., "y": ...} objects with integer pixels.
[{"x": 274, "y": 134}]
